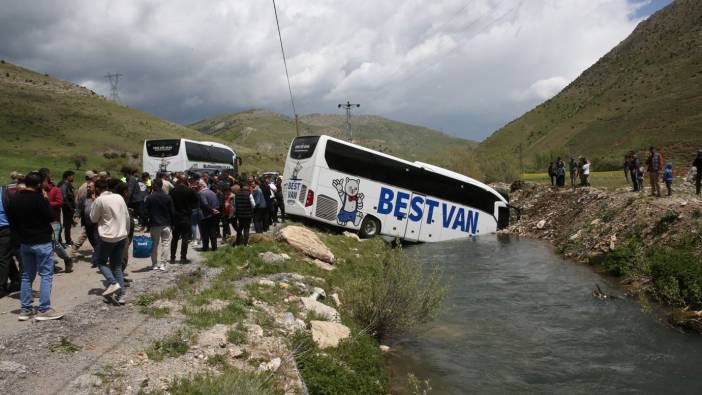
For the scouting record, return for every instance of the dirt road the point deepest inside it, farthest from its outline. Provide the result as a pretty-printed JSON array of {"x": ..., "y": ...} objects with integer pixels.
[{"x": 105, "y": 333}]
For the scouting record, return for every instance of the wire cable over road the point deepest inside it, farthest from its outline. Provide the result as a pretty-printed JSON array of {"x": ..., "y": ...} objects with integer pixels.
[{"x": 285, "y": 63}]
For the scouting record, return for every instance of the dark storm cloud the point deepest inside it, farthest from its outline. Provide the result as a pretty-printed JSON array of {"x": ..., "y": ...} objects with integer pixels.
[{"x": 462, "y": 66}]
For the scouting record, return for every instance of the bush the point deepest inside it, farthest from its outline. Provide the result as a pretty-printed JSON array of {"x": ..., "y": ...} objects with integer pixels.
[
  {"x": 664, "y": 223},
  {"x": 397, "y": 298},
  {"x": 677, "y": 275},
  {"x": 230, "y": 381},
  {"x": 622, "y": 260},
  {"x": 354, "y": 367}
]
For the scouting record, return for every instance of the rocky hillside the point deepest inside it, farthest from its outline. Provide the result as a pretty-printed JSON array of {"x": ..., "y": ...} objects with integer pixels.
[
  {"x": 645, "y": 91},
  {"x": 270, "y": 133},
  {"x": 653, "y": 244}
]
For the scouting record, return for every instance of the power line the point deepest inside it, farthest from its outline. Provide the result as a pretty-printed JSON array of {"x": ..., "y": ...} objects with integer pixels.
[
  {"x": 285, "y": 63},
  {"x": 114, "y": 85}
]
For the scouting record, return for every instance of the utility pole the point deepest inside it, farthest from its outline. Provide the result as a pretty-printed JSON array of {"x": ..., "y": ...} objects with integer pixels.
[
  {"x": 114, "y": 82},
  {"x": 348, "y": 106}
]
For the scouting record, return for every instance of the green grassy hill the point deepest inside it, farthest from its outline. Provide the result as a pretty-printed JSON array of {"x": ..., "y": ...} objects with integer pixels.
[
  {"x": 646, "y": 91},
  {"x": 270, "y": 134},
  {"x": 44, "y": 122}
]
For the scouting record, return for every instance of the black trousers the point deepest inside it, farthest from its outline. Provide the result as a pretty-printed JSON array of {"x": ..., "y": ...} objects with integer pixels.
[
  {"x": 260, "y": 219},
  {"x": 67, "y": 224},
  {"x": 209, "y": 230},
  {"x": 281, "y": 206},
  {"x": 242, "y": 231},
  {"x": 698, "y": 182},
  {"x": 8, "y": 269},
  {"x": 181, "y": 231}
]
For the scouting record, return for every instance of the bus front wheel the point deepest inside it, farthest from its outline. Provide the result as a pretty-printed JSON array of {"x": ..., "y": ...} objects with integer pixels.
[{"x": 369, "y": 227}]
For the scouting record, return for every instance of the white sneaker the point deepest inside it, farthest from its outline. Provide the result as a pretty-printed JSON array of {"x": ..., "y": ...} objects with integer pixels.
[
  {"x": 162, "y": 268},
  {"x": 122, "y": 300},
  {"x": 111, "y": 289}
]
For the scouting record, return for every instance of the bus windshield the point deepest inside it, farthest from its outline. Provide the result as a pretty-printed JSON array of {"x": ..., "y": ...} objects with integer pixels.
[
  {"x": 162, "y": 148},
  {"x": 303, "y": 147}
]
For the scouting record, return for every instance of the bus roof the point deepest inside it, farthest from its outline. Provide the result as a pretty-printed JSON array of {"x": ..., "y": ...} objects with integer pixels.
[{"x": 426, "y": 166}]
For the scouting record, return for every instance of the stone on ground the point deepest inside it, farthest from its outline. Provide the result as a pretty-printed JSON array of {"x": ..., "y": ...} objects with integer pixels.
[
  {"x": 306, "y": 241},
  {"x": 266, "y": 283},
  {"x": 12, "y": 367},
  {"x": 323, "y": 265},
  {"x": 352, "y": 236},
  {"x": 215, "y": 337},
  {"x": 322, "y": 310},
  {"x": 271, "y": 257},
  {"x": 328, "y": 334},
  {"x": 86, "y": 381}
]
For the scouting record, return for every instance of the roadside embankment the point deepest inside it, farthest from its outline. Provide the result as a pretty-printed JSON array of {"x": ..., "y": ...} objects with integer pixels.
[
  {"x": 298, "y": 311},
  {"x": 654, "y": 245}
]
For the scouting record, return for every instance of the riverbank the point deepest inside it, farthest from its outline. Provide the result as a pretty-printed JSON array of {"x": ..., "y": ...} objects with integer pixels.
[
  {"x": 283, "y": 315},
  {"x": 653, "y": 245}
]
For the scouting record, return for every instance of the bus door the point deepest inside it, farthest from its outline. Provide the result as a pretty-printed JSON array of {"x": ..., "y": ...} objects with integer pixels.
[{"x": 414, "y": 217}]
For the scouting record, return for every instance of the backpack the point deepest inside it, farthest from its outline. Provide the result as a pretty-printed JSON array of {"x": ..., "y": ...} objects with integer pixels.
[{"x": 142, "y": 246}]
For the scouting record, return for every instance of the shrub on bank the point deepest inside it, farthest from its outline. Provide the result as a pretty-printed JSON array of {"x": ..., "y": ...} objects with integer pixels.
[
  {"x": 396, "y": 297},
  {"x": 354, "y": 367},
  {"x": 677, "y": 276}
]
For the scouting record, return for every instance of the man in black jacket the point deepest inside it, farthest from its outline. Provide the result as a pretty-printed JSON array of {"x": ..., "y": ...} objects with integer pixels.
[
  {"x": 160, "y": 212},
  {"x": 30, "y": 215},
  {"x": 68, "y": 210},
  {"x": 185, "y": 200},
  {"x": 244, "y": 208},
  {"x": 698, "y": 164}
]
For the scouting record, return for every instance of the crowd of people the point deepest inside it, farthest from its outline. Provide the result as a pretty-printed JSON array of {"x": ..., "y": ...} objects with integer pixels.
[
  {"x": 579, "y": 172},
  {"x": 200, "y": 209},
  {"x": 635, "y": 171}
]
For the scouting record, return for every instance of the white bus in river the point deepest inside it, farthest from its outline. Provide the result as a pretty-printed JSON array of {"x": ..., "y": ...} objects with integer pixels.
[
  {"x": 343, "y": 184},
  {"x": 171, "y": 155}
]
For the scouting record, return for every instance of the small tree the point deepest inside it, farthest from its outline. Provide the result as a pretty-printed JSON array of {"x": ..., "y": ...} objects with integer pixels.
[{"x": 78, "y": 161}]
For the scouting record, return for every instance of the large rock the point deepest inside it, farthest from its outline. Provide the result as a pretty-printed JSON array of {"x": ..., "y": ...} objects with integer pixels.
[
  {"x": 328, "y": 334},
  {"x": 306, "y": 241},
  {"x": 216, "y": 337},
  {"x": 322, "y": 310}
]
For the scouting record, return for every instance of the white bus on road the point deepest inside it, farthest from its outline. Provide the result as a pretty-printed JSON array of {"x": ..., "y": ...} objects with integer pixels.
[
  {"x": 344, "y": 184},
  {"x": 171, "y": 155}
]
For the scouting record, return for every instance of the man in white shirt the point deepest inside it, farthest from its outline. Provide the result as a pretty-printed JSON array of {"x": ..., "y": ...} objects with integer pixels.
[{"x": 109, "y": 212}]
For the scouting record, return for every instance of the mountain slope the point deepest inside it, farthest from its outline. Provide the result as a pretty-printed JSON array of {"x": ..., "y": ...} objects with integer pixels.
[
  {"x": 45, "y": 122},
  {"x": 270, "y": 133},
  {"x": 646, "y": 91}
]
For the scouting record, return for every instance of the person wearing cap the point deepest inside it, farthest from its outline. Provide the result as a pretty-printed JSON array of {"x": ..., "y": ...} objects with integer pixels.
[
  {"x": 12, "y": 186},
  {"x": 698, "y": 165}
]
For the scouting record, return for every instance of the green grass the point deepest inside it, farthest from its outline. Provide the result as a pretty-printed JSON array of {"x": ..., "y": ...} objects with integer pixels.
[
  {"x": 609, "y": 180},
  {"x": 236, "y": 335},
  {"x": 64, "y": 346},
  {"x": 230, "y": 381},
  {"x": 171, "y": 346},
  {"x": 642, "y": 93},
  {"x": 355, "y": 367}
]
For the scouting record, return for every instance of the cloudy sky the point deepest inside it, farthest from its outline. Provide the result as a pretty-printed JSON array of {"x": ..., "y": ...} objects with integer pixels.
[{"x": 462, "y": 66}]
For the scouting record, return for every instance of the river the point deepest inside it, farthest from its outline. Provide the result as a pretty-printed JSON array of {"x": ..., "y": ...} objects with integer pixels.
[{"x": 520, "y": 319}]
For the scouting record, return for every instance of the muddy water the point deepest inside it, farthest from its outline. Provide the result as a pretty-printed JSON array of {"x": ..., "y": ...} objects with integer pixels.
[{"x": 519, "y": 319}]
